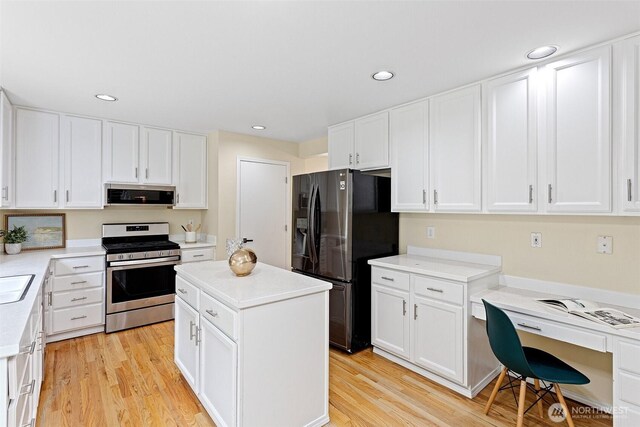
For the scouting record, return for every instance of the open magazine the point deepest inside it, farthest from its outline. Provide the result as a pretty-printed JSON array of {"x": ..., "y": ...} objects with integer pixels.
[{"x": 592, "y": 311}]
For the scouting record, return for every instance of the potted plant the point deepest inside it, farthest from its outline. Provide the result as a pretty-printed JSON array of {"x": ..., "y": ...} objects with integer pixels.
[{"x": 13, "y": 240}]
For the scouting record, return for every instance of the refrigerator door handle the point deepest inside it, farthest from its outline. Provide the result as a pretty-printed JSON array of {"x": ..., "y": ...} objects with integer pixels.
[{"x": 312, "y": 223}]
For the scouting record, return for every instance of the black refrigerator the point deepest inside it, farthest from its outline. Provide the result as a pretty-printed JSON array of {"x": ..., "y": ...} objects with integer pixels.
[{"x": 342, "y": 219}]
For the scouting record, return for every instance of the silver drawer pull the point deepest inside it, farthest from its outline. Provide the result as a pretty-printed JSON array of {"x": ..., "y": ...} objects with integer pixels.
[
  {"x": 391, "y": 279},
  {"x": 535, "y": 328},
  {"x": 198, "y": 256},
  {"x": 81, "y": 266},
  {"x": 28, "y": 388},
  {"x": 31, "y": 423},
  {"x": 79, "y": 283},
  {"x": 182, "y": 291},
  {"x": 79, "y": 317},
  {"x": 28, "y": 349},
  {"x": 212, "y": 313},
  {"x": 78, "y": 299},
  {"x": 435, "y": 290}
]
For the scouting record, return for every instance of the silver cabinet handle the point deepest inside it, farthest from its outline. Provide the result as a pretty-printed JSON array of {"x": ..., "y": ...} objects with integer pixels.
[
  {"x": 79, "y": 317},
  {"x": 136, "y": 169},
  {"x": 629, "y": 198},
  {"x": 178, "y": 198},
  {"x": 198, "y": 256},
  {"x": 49, "y": 297},
  {"x": 67, "y": 196},
  {"x": 29, "y": 387},
  {"x": 198, "y": 330},
  {"x": 31, "y": 423},
  {"x": 212, "y": 313},
  {"x": 435, "y": 290},
  {"x": 391, "y": 279},
  {"x": 78, "y": 299},
  {"x": 192, "y": 334},
  {"x": 530, "y": 194},
  {"x": 535, "y": 328},
  {"x": 424, "y": 197},
  {"x": 79, "y": 283},
  {"x": 435, "y": 197},
  {"x": 404, "y": 307},
  {"x": 550, "y": 188},
  {"x": 146, "y": 173},
  {"x": 357, "y": 158},
  {"x": 80, "y": 266},
  {"x": 350, "y": 158},
  {"x": 5, "y": 193},
  {"x": 182, "y": 291},
  {"x": 28, "y": 349},
  {"x": 55, "y": 196},
  {"x": 415, "y": 311}
]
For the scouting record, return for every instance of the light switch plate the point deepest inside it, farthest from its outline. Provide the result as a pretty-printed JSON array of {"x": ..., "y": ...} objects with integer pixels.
[
  {"x": 431, "y": 232},
  {"x": 605, "y": 245}
]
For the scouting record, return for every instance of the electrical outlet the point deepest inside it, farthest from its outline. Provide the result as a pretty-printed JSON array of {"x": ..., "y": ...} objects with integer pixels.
[
  {"x": 431, "y": 232},
  {"x": 536, "y": 240},
  {"x": 605, "y": 245}
]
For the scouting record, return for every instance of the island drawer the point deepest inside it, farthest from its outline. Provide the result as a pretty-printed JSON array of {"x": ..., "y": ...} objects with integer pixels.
[
  {"x": 390, "y": 278},
  {"x": 439, "y": 289},
  {"x": 220, "y": 315},
  {"x": 189, "y": 293},
  {"x": 78, "y": 265},
  {"x": 77, "y": 317},
  {"x": 629, "y": 355},
  {"x": 194, "y": 255},
  {"x": 80, "y": 281},
  {"x": 76, "y": 298}
]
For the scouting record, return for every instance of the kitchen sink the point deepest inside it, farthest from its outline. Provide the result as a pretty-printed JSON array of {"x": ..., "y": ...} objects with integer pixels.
[{"x": 14, "y": 288}]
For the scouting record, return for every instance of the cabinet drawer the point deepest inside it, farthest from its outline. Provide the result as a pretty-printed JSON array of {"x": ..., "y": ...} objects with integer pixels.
[
  {"x": 220, "y": 315},
  {"x": 189, "y": 293},
  {"x": 79, "y": 281},
  {"x": 77, "y": 317},
  {"x": 193, "y": 255},
  {"x": 628, "y": 386},
  {"x": 439, "y": 289},
  {"x": 629, "y": 355},
  {"x": 390, "y": 278},
  {"x": 78, "y": 265},
  {"x": 77, "y": 298}
]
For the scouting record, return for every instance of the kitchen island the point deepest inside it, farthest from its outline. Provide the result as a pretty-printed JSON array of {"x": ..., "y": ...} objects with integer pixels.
[{"x": 254, "y": 349}]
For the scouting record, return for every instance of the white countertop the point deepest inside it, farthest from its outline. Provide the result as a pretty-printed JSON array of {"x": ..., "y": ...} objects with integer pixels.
[
  {"x": 441, "y": 268},
  {"x": 265, "y": 284},
  {"x": 15, "y": 315},
  {"x": 185, "y": 245}
]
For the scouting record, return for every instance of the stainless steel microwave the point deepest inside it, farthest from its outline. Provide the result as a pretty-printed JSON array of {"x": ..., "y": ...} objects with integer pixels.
[{"x": 139, "y": 195}]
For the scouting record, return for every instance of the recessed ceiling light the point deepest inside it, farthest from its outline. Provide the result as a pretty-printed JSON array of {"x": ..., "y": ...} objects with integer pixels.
[
  {"x": 382, "y": 76},
  {"x": 258, "y": 127},
  {"x": 105, "y": 97},
  {"x": 542, "y": 52}
]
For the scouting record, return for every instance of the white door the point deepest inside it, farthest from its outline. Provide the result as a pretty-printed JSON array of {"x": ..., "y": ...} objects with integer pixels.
[
  {"x": 6, "y": 151},
  {"x": 263, "y": 209},
  {"x": 510, "y": 118},
  {"x": 629, "y": 60},
  {"x": 454, "y": 150},
  {"x": 390, "y": 320},
  {"x": 82, "y": 160},
  {"x": 437, "y": 333},
  {"x": 372, "y": 141},
  {"x": 190, "y": 170},
  {"x": 37, "y": 145},
  {"x": 186, "y": 353},
  {"x": 120, "y": 156},
  {"x": 578, "y": 134},
  {"x": 408, "y": 127},
  {"x": 155, "y": 155},
  {"x": 340, "y": 144}
]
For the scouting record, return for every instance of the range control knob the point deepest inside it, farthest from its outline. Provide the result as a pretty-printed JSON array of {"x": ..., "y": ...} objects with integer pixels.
[
  {"x": 160, "y": 253},
  {"x": 120, "y": 256},
  {"x": 130, "y": 256}
]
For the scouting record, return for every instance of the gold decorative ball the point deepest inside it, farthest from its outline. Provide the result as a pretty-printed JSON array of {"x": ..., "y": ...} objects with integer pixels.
[{"x": 243, "y": 261}]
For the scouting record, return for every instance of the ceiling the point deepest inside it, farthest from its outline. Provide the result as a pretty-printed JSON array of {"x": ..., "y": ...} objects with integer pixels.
[{"x": 294, "y": 66}]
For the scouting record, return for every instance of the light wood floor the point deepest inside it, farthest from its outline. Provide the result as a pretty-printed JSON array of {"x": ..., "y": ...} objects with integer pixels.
[{"x": 129, "y": 379}]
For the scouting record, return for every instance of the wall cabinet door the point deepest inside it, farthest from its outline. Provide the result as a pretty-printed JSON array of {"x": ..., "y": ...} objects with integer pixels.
[
  {"x": 341, "y": 140},
  {"x": 82, "y": 162},
  {"x": 218, "y": 380},
  {"x": 454, "y": 150},
  {"x": 578, "y": 132},
  {"x": 408, "y": 145},
  {"x": 438, "y": 338},
  {"x": 190, "y": 170},
  {"x": 390, "y": 320},
  {"x": 511, "y": 142},
  {"x": 628, "y": 54},
  {"x": 6, "y": 151},
  {"x": 120, "y": 155},
  {"x": 372, "y": 141},
  {"x": 155, "y": 156},
  {"x": 186, "y": 352},
  {"x": 36, "y": 172}
]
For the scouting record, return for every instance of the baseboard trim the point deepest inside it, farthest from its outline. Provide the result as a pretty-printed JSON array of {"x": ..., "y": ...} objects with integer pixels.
[{"x": 73, "y": 334}]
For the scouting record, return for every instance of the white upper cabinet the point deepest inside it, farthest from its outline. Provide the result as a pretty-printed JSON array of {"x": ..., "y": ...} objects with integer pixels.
[
  {"x": 36, "y": 162},
  {"x": 628, "y": 55},
  {"x": 6, "y": 151},
  {"x": 81, "y": 159},
  {"x": 360, "y": 144},
  {"x": 510, "y": 143},
  {"x": 120, "y": 154},
  {"x": 155, "y": 156},
  {"x": 454, "y": 141},
  {"x": 341, "y": 140},
  {"x": 408, "y": 152},
  {"x": 578, "y": 133},
  {"x": 190, "y": 170}
]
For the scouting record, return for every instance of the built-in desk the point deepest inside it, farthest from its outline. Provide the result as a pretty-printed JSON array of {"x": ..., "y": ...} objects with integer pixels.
[{"x": 624, "y": 344}]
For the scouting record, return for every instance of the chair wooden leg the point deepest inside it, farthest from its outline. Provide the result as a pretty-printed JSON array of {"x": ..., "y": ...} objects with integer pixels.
[
  {"x": 563, "y": 403},
  {"x": 536, "y": 383},
  {"x": 521, "y": 402},
  {"x": 494, "y": 393}
]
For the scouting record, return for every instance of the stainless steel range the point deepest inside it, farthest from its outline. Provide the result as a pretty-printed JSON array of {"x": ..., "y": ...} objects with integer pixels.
[{"x": 141, "y": 280}]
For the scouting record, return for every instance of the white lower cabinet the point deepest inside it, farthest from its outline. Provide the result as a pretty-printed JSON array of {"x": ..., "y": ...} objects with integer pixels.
[
  {"x": 390, "y": 323},
  {"x": 626, "y": 380},
  {"x": 187, "y": 355}
]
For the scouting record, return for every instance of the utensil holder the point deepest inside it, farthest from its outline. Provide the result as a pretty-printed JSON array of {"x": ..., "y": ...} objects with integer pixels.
[{"x": 190, "y": 237}]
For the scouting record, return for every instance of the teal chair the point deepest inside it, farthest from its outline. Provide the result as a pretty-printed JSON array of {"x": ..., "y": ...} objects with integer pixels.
[{"x": 526, "y": 362}]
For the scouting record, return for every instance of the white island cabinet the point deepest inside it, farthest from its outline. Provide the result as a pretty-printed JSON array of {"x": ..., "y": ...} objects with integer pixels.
[{"x": 254, "y": 349}]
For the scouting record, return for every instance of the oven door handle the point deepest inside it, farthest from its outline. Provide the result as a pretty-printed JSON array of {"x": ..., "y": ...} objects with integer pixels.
[{"x": 141, "y": 262}]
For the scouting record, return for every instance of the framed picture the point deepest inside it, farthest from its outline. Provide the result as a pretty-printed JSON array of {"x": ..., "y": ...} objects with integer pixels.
[{"x": 45, "y": 231}]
